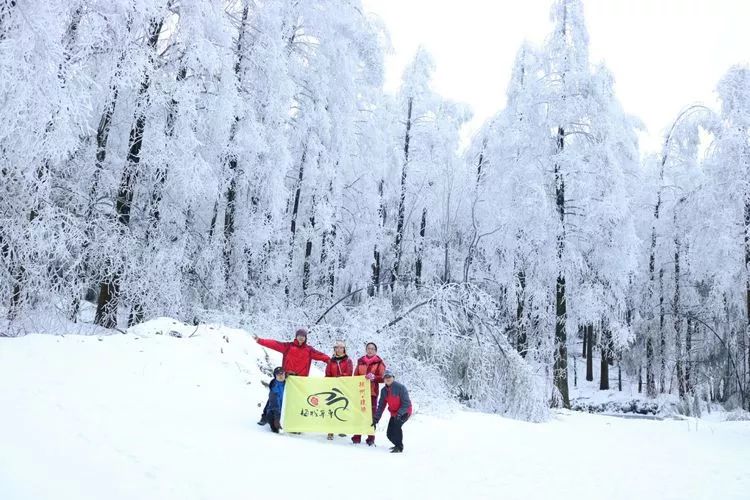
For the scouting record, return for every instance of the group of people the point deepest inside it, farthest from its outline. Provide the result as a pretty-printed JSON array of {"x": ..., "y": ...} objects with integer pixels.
[{"x": 297, "y": 358}]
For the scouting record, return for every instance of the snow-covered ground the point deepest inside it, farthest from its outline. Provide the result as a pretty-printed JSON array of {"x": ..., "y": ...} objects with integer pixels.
[{"x": 151, "y": 416}]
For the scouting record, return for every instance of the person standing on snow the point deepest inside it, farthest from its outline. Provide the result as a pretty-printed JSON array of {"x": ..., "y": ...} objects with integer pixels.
[
  {"x": 396, "y": 397},
  {"x": 297, "y": 357},
  {"x": 297, "y": 354},
  {"x": 340, "y": 365},
  {"x": 372, "y": 367},
  {"x": 272, "y": 413}
]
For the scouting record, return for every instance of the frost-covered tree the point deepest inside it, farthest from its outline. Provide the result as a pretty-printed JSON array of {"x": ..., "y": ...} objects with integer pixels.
[
  {"x": 240, "y": 159},
  {"x": 575, "y": 192}
]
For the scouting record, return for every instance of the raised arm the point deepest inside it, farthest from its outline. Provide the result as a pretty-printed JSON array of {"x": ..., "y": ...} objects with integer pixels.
[{"x": 272, "y": 344}]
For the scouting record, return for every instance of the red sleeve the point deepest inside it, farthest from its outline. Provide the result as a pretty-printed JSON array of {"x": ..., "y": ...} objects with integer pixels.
[
  {"x": 379, "y": 374},
  {"x": 273, "y": 344},
  {"x": 319, "y": 356},
  {"x": 349, "y": 367}
]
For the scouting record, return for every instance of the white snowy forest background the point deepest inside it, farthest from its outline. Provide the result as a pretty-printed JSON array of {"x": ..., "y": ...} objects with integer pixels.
[{"x": 239, "y": 161}]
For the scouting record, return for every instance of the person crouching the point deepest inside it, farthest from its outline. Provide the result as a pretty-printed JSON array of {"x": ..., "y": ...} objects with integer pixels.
[{"x": 396, "y": 397}]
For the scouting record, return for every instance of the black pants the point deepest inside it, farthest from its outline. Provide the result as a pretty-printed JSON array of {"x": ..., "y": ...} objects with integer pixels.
[
  {"x": 394, "y": 432},
  {"x": 265, "y": 412},
  {"x": 274, "y": 420}
]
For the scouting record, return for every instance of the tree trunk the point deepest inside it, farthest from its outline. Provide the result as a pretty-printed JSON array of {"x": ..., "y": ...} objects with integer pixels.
[
  {"x": 688, "y": 349},
  {"x": 561, "y": 351},
  {"x": 650, "y": 379},
  {"x": 229, "y": 214},
  {"x": 606, "y": 352},
  {"x": 446, "y": 262},
  {"x": 105, "y": 124},
  {"x": 306, "y": 263},
  {"x": 137, "y": 314},
  {"x": 589, "y": 352},
  {"x": 327, "y": 258},
  {"x": 154, "y": 214},
  {"x": 640, "y": 379},
  {"x": 582, "y": 331},
  {"x": 746, "y": 333},
  {"x": 109, "y": 289},
  {"x": 662, "y": 337},
  {"x": 308, "y": 252},
  {"x": 474, "y": 240},
  {"x": 678, "y": 319},
  {"x": 231, "y": 194},
  {"x": 561, "y": 347},
  {"x": 401, "y": 201},
  {"x": 521, "y": 338},
  {"x": 375, "y": 286},
  {"x": 214, "y": 218},
  {"x": 295, "y": 211},
  {"x": 332, "y": 262},
  {"x": 420, "y": 249},
  {"x": 16, "y": 295},
  {"x": 480, "y": 162},
  {"x": 376, "y": 265}
]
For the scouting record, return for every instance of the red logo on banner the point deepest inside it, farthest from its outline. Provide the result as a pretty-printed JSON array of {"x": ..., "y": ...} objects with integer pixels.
[{"x": 333, "y": 398}]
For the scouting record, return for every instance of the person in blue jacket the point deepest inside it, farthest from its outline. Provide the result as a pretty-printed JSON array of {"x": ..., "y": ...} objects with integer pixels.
[{"x": 272, "y": 414}]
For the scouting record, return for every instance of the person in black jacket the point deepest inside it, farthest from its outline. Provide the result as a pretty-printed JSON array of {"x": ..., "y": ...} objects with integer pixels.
[{"x": 396, "y": 397}]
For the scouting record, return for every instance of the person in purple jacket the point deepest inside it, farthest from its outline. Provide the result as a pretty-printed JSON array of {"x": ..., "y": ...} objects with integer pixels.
[{"x": 396, "y": 397}]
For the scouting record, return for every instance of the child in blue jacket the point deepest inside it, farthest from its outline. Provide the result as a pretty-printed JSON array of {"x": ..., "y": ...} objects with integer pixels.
[{"x": 275, "y": 398}]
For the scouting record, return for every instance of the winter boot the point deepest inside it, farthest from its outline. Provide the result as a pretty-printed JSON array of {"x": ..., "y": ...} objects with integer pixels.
[{"x": 330, "y": 437}]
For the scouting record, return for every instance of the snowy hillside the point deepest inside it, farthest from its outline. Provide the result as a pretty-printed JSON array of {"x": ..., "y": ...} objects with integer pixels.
[{"x": 148, "y": 415}]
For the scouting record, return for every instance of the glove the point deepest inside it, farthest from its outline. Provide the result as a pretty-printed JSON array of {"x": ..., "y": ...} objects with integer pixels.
[
  {"x": 370, "y": 377},
  {"x": 403, "y": 418}
]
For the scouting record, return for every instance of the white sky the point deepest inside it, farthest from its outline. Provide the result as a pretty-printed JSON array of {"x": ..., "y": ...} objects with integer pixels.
[{"x": 664, "y": 54}]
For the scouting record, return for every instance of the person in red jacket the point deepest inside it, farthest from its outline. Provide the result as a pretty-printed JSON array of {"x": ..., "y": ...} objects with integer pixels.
[
  {"x": 371, "y": 366},
  {"x": 296, "y": 359},
  {"x": 340, "y": 365},
  {"x": 297, "y": 354}
]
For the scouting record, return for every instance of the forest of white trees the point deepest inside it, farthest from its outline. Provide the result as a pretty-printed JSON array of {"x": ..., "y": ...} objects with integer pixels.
[{"x": 206, "y": 159}]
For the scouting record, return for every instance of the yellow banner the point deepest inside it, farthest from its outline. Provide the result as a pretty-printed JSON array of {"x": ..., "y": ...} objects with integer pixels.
[{"x": 328, "y": 405}]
